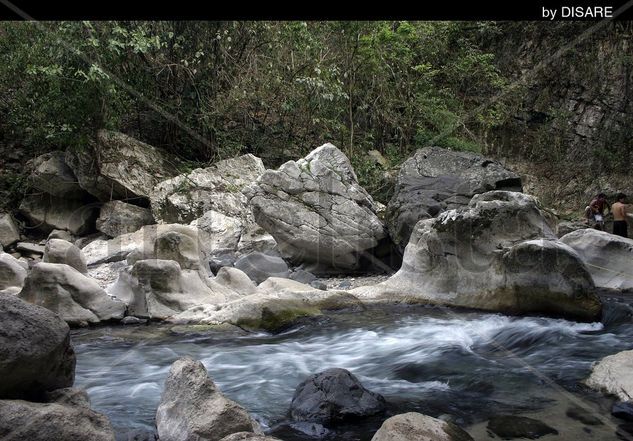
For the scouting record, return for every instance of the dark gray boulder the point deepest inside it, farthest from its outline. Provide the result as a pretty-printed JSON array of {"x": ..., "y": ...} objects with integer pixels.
[
  {"x": 434, "y": 180},
  {"x": 259, "y": 266},
  {"x": 35, "y": 351},
  {"x": 333, "y": 396}
]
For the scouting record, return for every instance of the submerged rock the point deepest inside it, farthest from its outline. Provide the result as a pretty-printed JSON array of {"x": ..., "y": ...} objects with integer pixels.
[
  {"x": 247, "y": 436},
  {"x": 35, "y": 351},
  {"x": 316, "y": 211},
  {"x": 434, "y": 180},
  {"x": 416, "y": 426},
  {"x": 333, "y": 396},
  {"x": 609, "y": 258},
  {"x": 513, "y": 427},
  {"x": 499, "y": 254},
  {"x": 614, "y": 375},
  {"x": 77, "y": 298},
  {"x": 623, "y": 410},
  {"x": 193, "y": 408}
]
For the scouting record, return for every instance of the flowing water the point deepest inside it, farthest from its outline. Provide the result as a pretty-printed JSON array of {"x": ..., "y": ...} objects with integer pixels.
[{"x": 458, "y": 365}]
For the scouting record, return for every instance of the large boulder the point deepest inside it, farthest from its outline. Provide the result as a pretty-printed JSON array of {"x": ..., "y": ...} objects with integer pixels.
[
  {"x": 159, "y": 289},
  {"x": 192, "y": 408},
  {"x": 117, "y": 218},
  {"x": 333, "y": 396},
  {"x": 65, "y": 419},
  {"x": 12, "y": 272},
  {"x": 50, "y": 174},
  {"x": 434, "y": 180},
  {"x": 316, "y": 211},
  {"x": 414, "y": 426},
  {"x": 76, "y": 298},
  {"x": 62, "y": 251},
  {"x": 498, "y": 254},
  {"x": 211, "y": 199},
  {"x": 35, "y": 351},
  {"x": 259, "y": 266},
  {"x": 118, "y": 167},
  {"x": 614, "y": 375},
  {"x": 187, "y": 197},
  {"x": 9, "y": 233},
  {"x": 46, "y": 213},
  {"x": 608, "y": 257}
]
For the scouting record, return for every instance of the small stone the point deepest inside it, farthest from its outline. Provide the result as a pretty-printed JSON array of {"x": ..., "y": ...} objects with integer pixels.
[{"x": 512, "y": 427}]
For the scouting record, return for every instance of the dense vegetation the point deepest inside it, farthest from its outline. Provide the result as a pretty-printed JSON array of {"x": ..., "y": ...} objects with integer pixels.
[
  {"x": 209, "y": 90},
  {"x": 556, "y": 97}
]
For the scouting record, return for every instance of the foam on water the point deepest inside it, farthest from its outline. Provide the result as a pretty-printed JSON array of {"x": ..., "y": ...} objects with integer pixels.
[{"x": 473, "y": 361}]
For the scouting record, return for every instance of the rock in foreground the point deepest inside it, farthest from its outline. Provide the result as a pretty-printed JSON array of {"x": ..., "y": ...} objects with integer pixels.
[
  {"x": 333, "y": 396},
  {"x": 417, "y": 427},
  {"x": 35, "y": 351},
  {"x": 192, "y": 407},
  {"x": 614, "y": 375},
  {"x": 64, "y": 421},
  {"x": 78, "y": 299}
]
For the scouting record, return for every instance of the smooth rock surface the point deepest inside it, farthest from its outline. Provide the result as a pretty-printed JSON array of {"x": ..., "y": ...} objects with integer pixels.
[
  {"x": 158, "y": 289},
  {"x": 61, "y": 251},
  {"x": 192, "y": 408},
  {"x": 259, "y": 266},
  {"x": 12, "y": 272},
  {"x": 609, "y": 258},
  {"x": 9, "y": 233},
  {"x": 77, "y": 299},
  {"x": 498, "y": 254},
  {"x": 35, "y": 351},
  {"x": 414, "y": 426}
]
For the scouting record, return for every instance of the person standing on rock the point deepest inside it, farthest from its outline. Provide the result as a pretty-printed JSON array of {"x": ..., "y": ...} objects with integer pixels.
[
  {"x": 596, "y": 210},
  {"x": 618, "y": 209}
]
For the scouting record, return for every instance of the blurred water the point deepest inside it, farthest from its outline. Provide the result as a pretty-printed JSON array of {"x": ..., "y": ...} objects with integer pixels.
[{"x": 463, "y": 365}]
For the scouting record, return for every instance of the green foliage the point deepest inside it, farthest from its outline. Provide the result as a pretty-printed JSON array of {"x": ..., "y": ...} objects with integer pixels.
[{"x": 212, "y": 90}]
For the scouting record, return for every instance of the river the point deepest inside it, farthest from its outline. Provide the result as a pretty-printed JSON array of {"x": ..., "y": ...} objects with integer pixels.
[{"x": 460, "y": 365}]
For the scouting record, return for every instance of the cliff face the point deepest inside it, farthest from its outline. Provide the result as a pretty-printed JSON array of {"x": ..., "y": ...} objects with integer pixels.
[{"x": 571, "y": 133}]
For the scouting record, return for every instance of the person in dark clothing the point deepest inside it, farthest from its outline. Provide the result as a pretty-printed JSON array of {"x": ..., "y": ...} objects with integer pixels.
[
  {"x": 618, "y": 209},
  {"x": 596, "y": 210}
]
